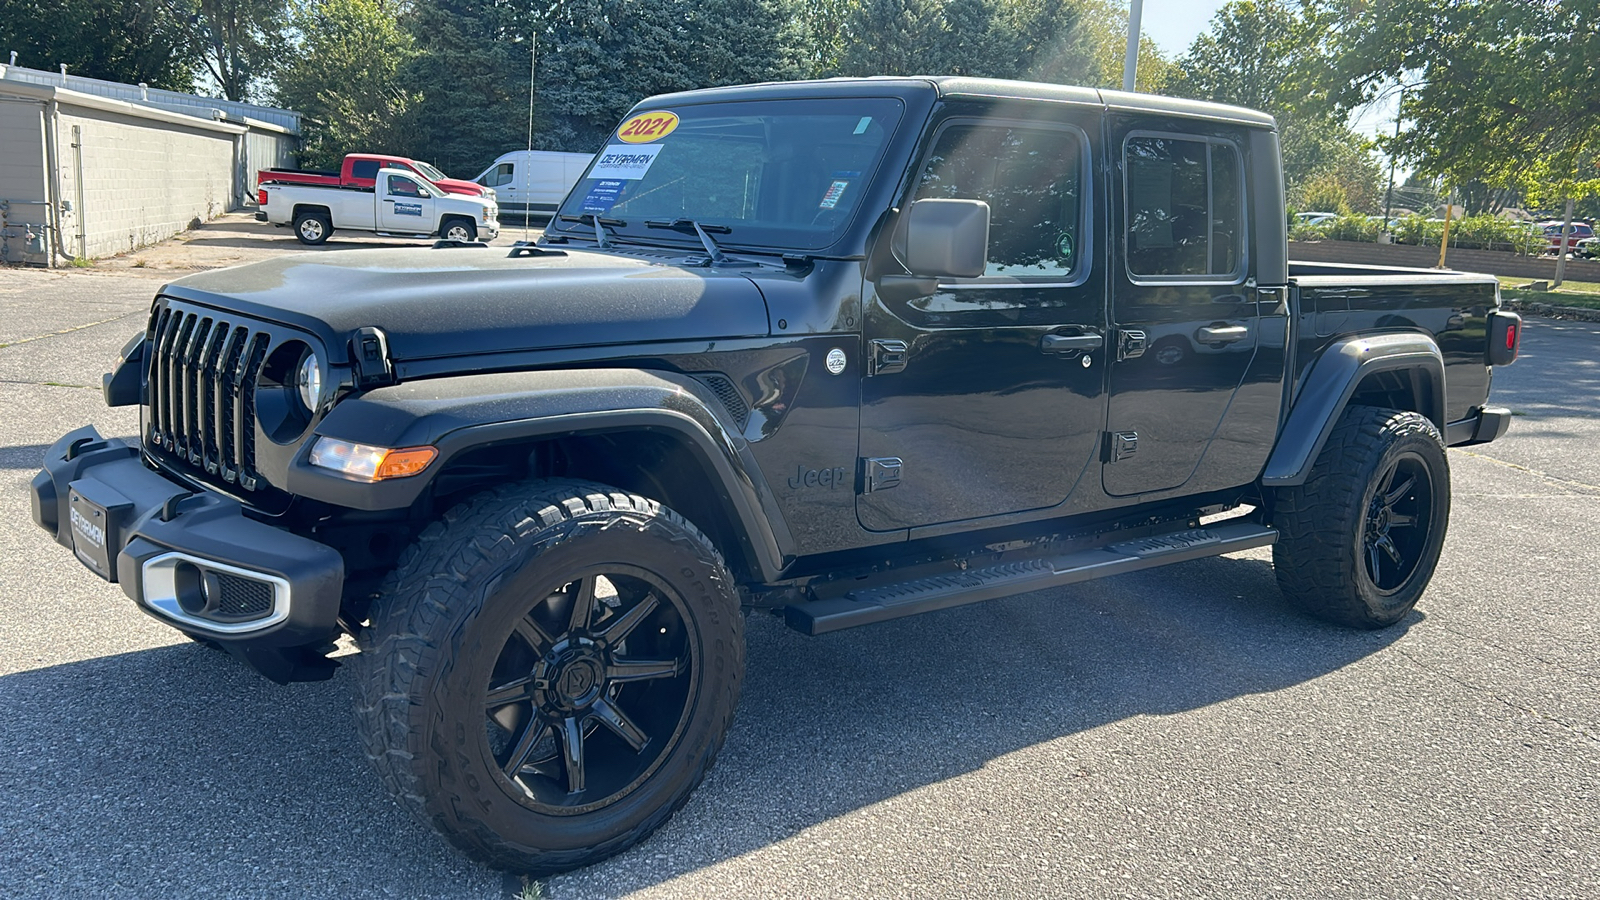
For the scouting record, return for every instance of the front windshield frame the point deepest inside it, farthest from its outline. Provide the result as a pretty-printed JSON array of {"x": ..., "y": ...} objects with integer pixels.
[
  {"x": 847, "y": 170},
  {"x": 429, "y": 172}
]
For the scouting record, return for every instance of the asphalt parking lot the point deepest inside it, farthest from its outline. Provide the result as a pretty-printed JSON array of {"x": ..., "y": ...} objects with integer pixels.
[{"x": 1176, "y": 733}]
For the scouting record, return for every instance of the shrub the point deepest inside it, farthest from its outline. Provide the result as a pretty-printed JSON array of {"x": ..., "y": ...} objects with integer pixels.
[{"x": 1480, "y": 232}]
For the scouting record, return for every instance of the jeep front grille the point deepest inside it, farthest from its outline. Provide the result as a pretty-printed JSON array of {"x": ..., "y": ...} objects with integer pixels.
[{"x": 202, "y": 379}]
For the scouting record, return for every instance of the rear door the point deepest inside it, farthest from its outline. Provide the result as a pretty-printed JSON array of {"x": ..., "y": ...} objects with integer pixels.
[
  {"x": 1185, "y": 324},
  {"x": 975, "y": 406}
]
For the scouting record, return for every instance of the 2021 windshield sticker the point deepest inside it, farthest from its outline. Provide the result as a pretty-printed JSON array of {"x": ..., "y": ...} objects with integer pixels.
[
  {"x": 647, "y": 127},
  {"x": 623, "y": 163}
]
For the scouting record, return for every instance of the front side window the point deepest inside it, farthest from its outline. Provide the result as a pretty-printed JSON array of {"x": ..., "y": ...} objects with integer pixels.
[
  {"x": 404, "y": 187},
  {"x": 1032, "y": 179},
  {"x": 502, "y": 175},
  {"x": 1185, "y": 208},
  {"x": 775, "y": 173}
]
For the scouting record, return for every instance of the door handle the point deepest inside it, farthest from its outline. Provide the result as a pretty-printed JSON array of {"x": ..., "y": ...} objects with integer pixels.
[
  {"x": 1221, "y": 334},
  {"x": 1062, "y": 343}
]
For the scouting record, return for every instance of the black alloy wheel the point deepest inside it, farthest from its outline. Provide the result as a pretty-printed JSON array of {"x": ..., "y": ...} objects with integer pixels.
[
  {"x": 1359, "y": 540},
  {"x": 550, "y": 672},
  {"x": 590, "y": 690}
]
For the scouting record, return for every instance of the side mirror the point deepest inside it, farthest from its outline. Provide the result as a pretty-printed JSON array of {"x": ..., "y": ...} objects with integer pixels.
[
  {"x": 947, "y": 238},
  {"x": 941, "y": 239}
]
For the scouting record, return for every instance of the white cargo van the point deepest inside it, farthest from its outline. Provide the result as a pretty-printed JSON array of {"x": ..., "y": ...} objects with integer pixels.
[{"x": 533, "y": 180}]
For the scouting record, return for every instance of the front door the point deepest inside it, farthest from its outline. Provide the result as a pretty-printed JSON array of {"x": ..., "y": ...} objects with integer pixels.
[
  {"x": 987, "y": 397},
  {"x": 406, "y": 206},
  {"x": 1185, "y": 325}
]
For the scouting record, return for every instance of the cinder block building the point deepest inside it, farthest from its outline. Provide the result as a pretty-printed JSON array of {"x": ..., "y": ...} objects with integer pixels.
[{"x": 91, "y": 168}]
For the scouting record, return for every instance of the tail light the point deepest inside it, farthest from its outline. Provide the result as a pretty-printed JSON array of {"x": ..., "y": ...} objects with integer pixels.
[
  {"x": 261, "y": 197},
  {"x": 1505, "y": 337}
]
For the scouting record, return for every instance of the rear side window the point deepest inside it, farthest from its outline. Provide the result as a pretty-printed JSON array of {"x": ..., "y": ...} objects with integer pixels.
[
  {"x": 1032, "y": 179},
  {"x": 1185, "y": 209},
  {"x": 364, "y": 168}
]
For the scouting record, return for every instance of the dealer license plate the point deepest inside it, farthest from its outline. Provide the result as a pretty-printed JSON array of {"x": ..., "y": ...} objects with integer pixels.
[{"x": 91, "y": 527}]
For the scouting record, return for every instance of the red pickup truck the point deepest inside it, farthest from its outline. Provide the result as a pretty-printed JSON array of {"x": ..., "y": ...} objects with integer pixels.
[{"x": 360, "y": 170}]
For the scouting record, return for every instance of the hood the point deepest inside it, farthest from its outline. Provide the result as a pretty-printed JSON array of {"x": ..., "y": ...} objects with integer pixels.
[
  {"x": 457, "y": 186},
  {"x": 466, "y": 301}
]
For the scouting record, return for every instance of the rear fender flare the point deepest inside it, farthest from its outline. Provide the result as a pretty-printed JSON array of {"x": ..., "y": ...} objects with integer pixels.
[
  {"x": 1332, "y": 381},
  {"x": 462, "y": 413}
]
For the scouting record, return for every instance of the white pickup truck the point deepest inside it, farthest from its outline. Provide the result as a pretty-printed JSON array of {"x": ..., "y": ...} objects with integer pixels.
[{"x": 399, "y": 205}]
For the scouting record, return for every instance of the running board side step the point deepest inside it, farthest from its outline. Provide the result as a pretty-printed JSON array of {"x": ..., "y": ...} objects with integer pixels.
[{"x": 909, "y": 598}]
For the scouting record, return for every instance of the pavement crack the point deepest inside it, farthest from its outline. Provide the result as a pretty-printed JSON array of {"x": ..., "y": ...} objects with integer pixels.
[
  {"x": 87, "y": 387},
  {"x": 1567, "y": 482},
  {"x": 51, "y": 334},
  {"x": 1578, "y": 730}
]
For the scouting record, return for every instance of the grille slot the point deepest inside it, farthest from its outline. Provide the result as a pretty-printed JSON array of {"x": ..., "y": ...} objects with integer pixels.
[
  {"x": 242, "y": 598},
  {"x": 202, "y": 393}
]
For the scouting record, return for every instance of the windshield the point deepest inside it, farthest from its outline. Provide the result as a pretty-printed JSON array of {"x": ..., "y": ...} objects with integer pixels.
[
  {"x": 777, "y": 173},
  {"x": 429, "y": 172}
]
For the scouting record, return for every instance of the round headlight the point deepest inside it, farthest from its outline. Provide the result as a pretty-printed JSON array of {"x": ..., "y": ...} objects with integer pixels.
[{"x": 309, "y": 382}]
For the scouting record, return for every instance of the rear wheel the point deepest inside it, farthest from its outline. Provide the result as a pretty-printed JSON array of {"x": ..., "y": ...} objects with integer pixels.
[
  {"x": 312, "y": 228},
  {"x": 551, "y": 672},
  {"x": 1360, "y": 539}
]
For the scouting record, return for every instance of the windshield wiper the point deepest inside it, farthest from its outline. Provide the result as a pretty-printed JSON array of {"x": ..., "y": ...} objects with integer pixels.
[
  {"x": 600, "y": 225},
  {"x": 690, "y": 226}
]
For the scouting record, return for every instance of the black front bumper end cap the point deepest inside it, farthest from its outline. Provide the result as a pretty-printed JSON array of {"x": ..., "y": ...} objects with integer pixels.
[
  {"x": 1491, "y": 423},
  {"x": 153, "y": 520}
]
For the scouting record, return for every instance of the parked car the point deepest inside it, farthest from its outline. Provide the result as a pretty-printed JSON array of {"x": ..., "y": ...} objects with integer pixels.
[
  {"x": 1552, "y": 231},
  {"x": 403, "y": 204},
  {"x": 1588, "y": 248},
  {"x": 360, "y": 170},
  {"x": 1312, "y": 218},
  {"x": 533, "y": 180}
]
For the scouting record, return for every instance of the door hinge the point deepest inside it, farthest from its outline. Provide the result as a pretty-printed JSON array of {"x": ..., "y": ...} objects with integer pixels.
[
  {"x": 1120, "y": 445},
  {"x": 1130, "y": 343},
  {"x": 887, "y": 357},
  {"x": 880, "y": 473}
]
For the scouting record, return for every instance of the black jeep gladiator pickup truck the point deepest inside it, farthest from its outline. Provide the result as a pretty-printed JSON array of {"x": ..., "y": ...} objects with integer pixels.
[{"x": 845, "y": 351}]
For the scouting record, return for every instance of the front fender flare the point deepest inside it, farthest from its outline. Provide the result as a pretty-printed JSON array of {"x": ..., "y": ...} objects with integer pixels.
[
  {"x": 1329, "y": 386},
  {"x": 461, "y": 413}
]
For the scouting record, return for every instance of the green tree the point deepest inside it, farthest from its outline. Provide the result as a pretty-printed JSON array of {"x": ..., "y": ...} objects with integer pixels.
[
  {"x": 471, "y": 70},
  {"x": 597, "y": 58},
  {"x": 344, "y": 75},
  {"x": 130, "y": 41},
  {"x": 1263, "y": 54},
  {"x": 1501, "y": 92},
  {"x": 235, "y": 41}
]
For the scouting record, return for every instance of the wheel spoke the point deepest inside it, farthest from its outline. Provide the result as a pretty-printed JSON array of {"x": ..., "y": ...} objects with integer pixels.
[
  {"x": 1400, "y": 520},
  {"x": 1386, "y": 544},
  {"x": 625, "y": 670},
  {"x": 534, "y": 634},
  {"x": 1373, "y": 563},
  {"x": 531, "y": 734},
  {"x": 571, "y": 740},
  {"x": 582, "y": 605},
  {"x": 1390, "y": 498},
  {"x": 618, "y": 722},
  {"x": 513, "y": 691},
  {"x": 618, "y": 631}
]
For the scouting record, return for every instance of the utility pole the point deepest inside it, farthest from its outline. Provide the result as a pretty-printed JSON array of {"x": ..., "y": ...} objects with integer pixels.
[
  {"x": 1388, "y": 197},
  {"x": 1130, "y": 63},
  {"x": 527, "y": 186}
]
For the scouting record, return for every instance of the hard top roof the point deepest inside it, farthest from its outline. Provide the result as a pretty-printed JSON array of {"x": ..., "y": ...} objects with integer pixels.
[{"x": 959, "y": 86}]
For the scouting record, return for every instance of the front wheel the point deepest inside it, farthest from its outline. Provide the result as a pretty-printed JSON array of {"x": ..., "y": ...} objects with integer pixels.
[
  {"x": 1359, "y": 540},
  {"x": 550, "y": 673},
  {"x": 459, "y": 230}
]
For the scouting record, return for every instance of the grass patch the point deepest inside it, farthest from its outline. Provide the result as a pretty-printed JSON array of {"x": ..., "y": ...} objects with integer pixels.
[
  {"x": 1585, "y": 294},
  {"x": 82, "y": 262}
]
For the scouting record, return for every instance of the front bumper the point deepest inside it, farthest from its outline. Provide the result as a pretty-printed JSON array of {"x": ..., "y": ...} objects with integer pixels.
[{"x": 192, "y": 560}]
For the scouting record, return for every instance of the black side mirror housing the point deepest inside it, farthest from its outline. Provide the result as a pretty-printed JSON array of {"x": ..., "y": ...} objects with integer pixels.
[{"x": 941, "y": 239}]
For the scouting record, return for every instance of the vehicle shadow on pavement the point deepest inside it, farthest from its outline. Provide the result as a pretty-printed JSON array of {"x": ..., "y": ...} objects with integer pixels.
[
  {"x": 179, "y": 766},
  {"x": 22, "y": 456}
]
